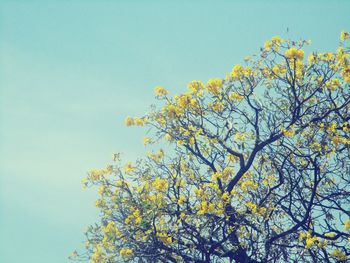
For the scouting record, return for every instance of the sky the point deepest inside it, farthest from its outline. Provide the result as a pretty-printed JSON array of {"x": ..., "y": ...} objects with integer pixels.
[{"x": 71, "y": 71}]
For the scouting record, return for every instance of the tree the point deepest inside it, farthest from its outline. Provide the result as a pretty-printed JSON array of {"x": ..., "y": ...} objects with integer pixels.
[{"x": 255, "y": 168}]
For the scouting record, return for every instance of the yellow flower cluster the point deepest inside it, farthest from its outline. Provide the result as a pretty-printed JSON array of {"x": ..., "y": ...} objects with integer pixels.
[
  {"x": 330, "y": 234},
  {"x": 110, "y": 228},
  {"x": 195, "y": 86},
  {"x": 146, "y": 141},
  {"x": 333, "y": 84},
  {"x": 181, "y": 199},
  {"x": 342, "y": 57},
  {"x": 344, "y": 36},
  {"x": 310, "y": 240},
  {"x": 288, "y": 133},
  {"x": 160, "y": 91},
  {"x": 246, "y": 185},
  {"x": 275, "y": 43},
  {"x": 232, "y": 158},
  {"x": 100, "y": 203},
  {"x": 96, "y": 174},
  {"x": 97, "y": 255},
  {"x": 269, "y": 180},
  {"x": 129, "y": 167},
  {"x": 276, "y": 40},
  {"x": 253, "y": 207},
  {"x": 345, "y": 127},
  {"x": 199, "y": 192},
  {"x": 312, "y": 58},
  {"x": 332, "y": 127},
  {"x": 160, "y": 184},
  {"x": 268, "y": 45},
  {"x": 346, "y": 73},
  {"x": 129, "y": 121},
  {"x": 347, "y": 225},
  {"x": 214, "y": 86},
  {"x": 206, "y": 208},
  {"x": 337, "y": 139},
  {"x": 256, "y": 209},
  {"x": 239, "y": 71},
  {"x": 171, "y": 111},
  {"x": 294, "y": 53},
  {"x": 167, "y": 137},
  {"x": 165, "y": 238},
  {"x": 216, "y": 106},
  {"x": 183, "y": 100},
  {"x": 126, "y": 253},
  {"x": 134, "y": 217},
  {"x": 240, "y": 136},
  {"x": 328, "y": 56},
  {"x": 226, "y": 197},
  {"x": 339, "y": 255},
  {"x": 156, "y": 199},
  {"x": 316, "y": 147},
  {"x": 157, "y": 157},
  {"x": 235, "y": 97},
  {"x": 279, "y": 69},
  {"x": 224, "y": 175}
]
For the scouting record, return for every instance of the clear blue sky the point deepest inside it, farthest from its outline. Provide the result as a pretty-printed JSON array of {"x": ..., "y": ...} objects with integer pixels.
[{"x": 70, "y": 71}]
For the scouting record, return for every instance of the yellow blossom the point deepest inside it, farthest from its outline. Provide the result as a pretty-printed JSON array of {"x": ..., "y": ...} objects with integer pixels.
[
  {"x": 330, "y": 234},
  {"x": 237, "y": 71},
  {"x": 248, "y": 184},
  {"x": 167, "y": 137},
  {"x": 268, "y": 45},
  {"x": 181, "y": 200},
  {"x": 99, "y": 203},
  {"x": 333, "y": 84},
  {"x": 129, "y": 168},
  {"x": 347, "y": 225},
  {"x": 158, "y": 156},
  {"x": 312, "y": 58},
  {"x": 288, "y": 133},
  {"x": 214, "y": 85},
  {"x": 129, "y": 121},
  {"x": 126, "y": 253},
  {"x": 217, "y": 106},
  {"x": 160, "y": 91},
  {"x": 310, "y": 241},
  {"x": 160, "y": 184},
  {"x": 195, "y": 85},
  {"x": 97, "y": 255},
  {"x": 346, "y": 73},
  {"x": 234, "y": 96},
  {"x": 339, "y": 255},
  {"x": 252, "y": 207},
  {"x": 294, "y": 53},
  {"x": 138, "y": 121},
  {"x": 276, "y": 40},
  {"x": 225, "y": 197},
  {"x": 240, "y": 136},
  {"x": 146, "y": 140},
  {"x": 344, "y": 36},
  {"x": 165, "y": 238}
]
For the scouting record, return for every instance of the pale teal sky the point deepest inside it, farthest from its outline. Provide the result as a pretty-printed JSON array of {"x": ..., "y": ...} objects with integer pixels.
[{"x": 70, "y": 71}]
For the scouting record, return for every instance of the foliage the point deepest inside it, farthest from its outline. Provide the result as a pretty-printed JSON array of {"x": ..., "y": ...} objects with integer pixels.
[{"x": 250, "y": 168}]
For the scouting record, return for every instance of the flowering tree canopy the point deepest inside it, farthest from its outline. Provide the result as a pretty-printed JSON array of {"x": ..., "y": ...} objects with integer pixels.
[{"x": 254, "y": 167}]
